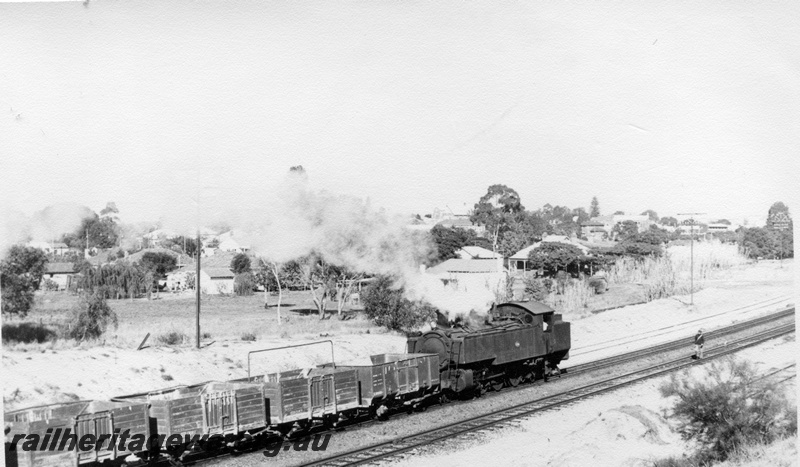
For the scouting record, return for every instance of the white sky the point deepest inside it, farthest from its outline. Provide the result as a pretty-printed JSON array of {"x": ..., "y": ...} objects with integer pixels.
[{"x": 673, "y": 106}]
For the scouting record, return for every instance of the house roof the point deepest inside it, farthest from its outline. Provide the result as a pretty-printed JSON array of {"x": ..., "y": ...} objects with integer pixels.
[
  {"x": 467, "y": 266},
  {"x": 60, "y": 245},
  {"x": 525, "y": 252},
  {"x": 476, "y": 252},
  {"x": 60, "y": 268},
  {"x": 218, "y": 273}
]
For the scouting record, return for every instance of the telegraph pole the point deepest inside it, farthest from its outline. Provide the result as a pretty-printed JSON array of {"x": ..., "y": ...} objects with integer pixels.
[
  {"x": 197, "y": 288},
  {"x": 691, "y": 223}
]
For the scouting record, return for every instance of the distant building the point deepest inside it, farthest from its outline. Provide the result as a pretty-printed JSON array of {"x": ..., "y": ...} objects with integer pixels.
[
  {"x": 60, "y": 273},
  {"x": 461, "y": 222},
  {"x": 56, "y": 248},
  {"x": 471, "y": 275},
  {"x": 214, "y": 281},
  {"x": 476, "y": 252}
]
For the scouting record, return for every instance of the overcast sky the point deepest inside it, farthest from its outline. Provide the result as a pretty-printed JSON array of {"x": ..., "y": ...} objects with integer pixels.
[{"x": 673, "y": 106}]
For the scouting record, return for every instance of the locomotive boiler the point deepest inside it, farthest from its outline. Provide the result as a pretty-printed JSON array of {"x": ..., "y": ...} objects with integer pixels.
[{"x": 517, "y": 342}]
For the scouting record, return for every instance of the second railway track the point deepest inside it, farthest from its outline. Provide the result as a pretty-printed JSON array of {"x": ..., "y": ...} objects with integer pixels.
[{"x": 391, "y": 449}]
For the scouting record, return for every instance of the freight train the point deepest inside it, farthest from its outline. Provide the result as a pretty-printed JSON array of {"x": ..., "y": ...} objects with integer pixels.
[{"x": 516, "y": 342}]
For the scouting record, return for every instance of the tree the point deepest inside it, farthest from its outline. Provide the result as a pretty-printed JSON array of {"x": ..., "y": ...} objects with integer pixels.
[
  {"x": 494, "y": 210},
  {"x": 723, "y": 221},
  {"x": 101, "y": 233},
  {"x": 319, "y": 277},
  {"x": 625, "y": 230},
  {"x": 670, "y": 221},
  {"x": 525, "y": 229},
  {"x": 20, "y": 275},
  {"x": 183, "y": 244},
  {"x": 554, "y": 256},
  {"x": 240, "y": 264},
  {"x": 385, "y": 304},
  {"x": 110, "y": 211},
  {"x": 652, "y": 215},
  {"x": 450, "y": 240},
  {"x": 619, "y": 213},
  {"x": 652, "y": 236},
  {"x": 594, "y": 209},
  {"x": 778, "y": 217}
]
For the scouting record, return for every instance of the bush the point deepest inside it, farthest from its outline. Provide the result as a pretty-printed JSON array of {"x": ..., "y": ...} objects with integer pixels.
[
  {"x": 91, "y": 317},
  {"x": 50, "y": 285},
  {"x": 249, "y": 337},
  {"x": 385, "y": 305},
  {"x": 26, "y": 333},
  {"x": 172, "y": 338},
  {"x": 729, "y": 408}
]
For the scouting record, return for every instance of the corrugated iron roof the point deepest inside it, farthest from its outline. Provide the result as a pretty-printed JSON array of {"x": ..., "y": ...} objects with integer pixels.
[
  {"x": 60, "y": 268},
  {"x": 467, "y": 266},
  {"x": 218, "y": 273}
]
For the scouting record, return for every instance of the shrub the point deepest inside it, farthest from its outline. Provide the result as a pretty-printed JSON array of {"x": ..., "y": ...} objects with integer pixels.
[
  {"x": 249, "y": 337},
  {"x": 535, "y": 289},
  {"x": 26, "y": 333},
  {"x": 385, "y": 305},
  {"x": 49, "y": 285},
  {"x": 91, "y": 317},
  {"x": 729, "y": 407},
  {"x": 243, "y": 284},
  {"x": 172, "y": 338}
]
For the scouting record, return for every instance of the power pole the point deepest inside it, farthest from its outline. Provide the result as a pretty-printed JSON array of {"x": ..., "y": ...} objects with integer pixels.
[
  {"x": 691, "y": 223},
  {"x": 197, "y": 288}
]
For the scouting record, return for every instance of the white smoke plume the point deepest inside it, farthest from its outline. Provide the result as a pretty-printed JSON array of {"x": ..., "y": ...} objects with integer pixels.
[
  {"x": 47, "y": 225},
  {"x": 291, "y": 219}
]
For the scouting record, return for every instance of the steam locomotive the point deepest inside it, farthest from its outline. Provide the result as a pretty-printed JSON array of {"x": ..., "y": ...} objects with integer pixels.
[
  {"x": 517, "y": 342},
  {"x": 514, "y": 343}
]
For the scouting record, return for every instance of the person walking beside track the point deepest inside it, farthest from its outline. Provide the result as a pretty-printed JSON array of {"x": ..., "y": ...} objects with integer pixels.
[{"x": 699, "y": 341}]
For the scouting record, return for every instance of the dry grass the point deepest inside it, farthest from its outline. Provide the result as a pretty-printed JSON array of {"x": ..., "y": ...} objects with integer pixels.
[
  {"x": 673, "y": 274},
  {"x": 575, "y": 300},
  {"x": 171, "y": 320}
]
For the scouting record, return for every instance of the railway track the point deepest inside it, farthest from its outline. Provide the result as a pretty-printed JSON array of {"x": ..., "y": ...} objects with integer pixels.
[
  {"x": 714, "y": 335},
  {"x": 394, "y": 448}
]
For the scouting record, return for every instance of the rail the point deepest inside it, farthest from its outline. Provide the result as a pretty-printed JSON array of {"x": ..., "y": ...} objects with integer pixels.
[{"x": 249, "y": 354}]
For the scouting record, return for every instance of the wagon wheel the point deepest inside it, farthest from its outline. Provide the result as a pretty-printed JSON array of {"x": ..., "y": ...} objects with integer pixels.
[
  {"x": 497, "y": 384},
  {"x": 514, "y": 381}
]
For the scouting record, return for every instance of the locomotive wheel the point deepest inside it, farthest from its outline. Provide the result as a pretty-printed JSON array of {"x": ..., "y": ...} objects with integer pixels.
[
  {"x": 514, "y": 381},
  {"x": 497, "y": 385}
]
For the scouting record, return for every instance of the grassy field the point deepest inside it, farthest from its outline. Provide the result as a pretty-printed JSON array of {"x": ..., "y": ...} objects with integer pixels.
[{"x": 170, "y": 319}]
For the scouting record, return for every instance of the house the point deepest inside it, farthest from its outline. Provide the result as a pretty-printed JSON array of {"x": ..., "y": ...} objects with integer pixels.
[
  {"x": 56, "y": 248},
  {"x": 476, "y": 252},
  {"x": 598, "y": 228},
  {"x": 469, "y": 275},
  {"x": 60, "y": 273},
  {"x": 231, "y": 244},
  {"x": 214, "y": 281},
  {"x": 461, "y": 222},
  {"x": 519, "y": 260},
  {"x": 155, "y": 238}
]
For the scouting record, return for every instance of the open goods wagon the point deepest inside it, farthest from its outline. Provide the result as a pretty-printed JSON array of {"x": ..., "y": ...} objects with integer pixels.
[
  {"x": 56, "y": 424},
  {"x": 220, "y": 410}
]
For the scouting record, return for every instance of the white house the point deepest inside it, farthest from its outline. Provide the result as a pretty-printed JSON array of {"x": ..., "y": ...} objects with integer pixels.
[
  {"x": 469, "y": 275},
  {"x": 60, "y": 273},
  {"x": 214, "y": 281}
]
